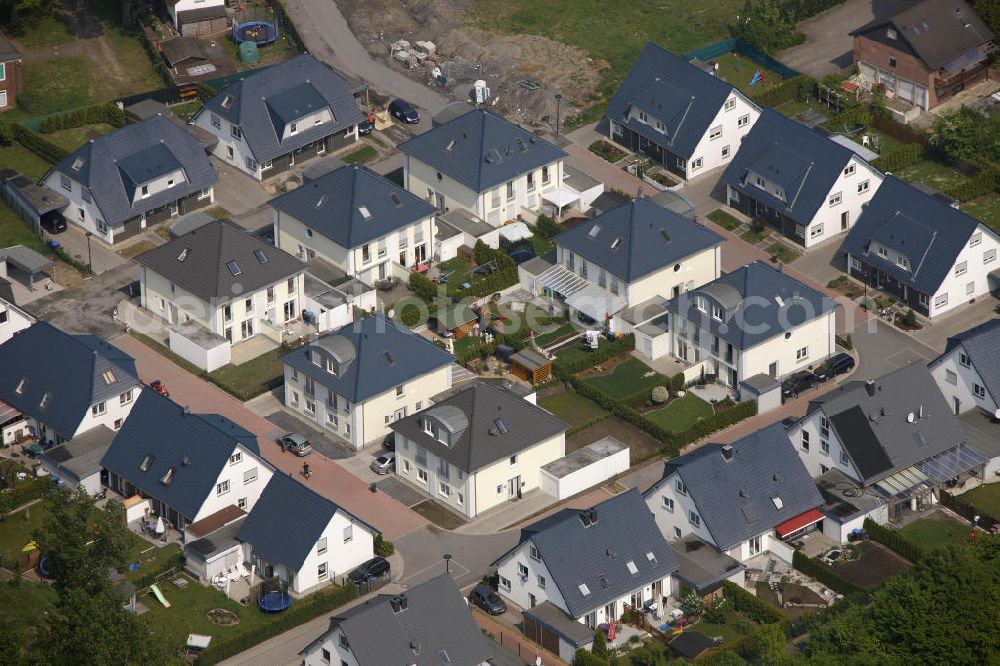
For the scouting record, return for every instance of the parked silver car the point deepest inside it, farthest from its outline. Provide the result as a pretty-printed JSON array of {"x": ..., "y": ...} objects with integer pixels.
[
  {"x": 384, "y": 464},
  {"x": 295, "y": 443}
]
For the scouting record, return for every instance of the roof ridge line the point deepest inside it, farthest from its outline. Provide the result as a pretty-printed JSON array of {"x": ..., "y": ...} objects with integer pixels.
[{"x": 482, "y": 148}]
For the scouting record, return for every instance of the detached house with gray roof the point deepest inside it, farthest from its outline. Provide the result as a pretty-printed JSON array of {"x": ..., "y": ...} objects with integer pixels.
[
  {"x": 225, "y": 279},
  {"x": 281, "y": 116},
  {"x": 63, "y": 385},
  {"x": 357, "y": 380},
  {"x": 895, "y": 437},
  {"x": 487, "y": 165},
  {"x": 798, "y": 181},
  {"x": 302, "y": 537},
  {"x": 687, "y": 120},
  {"x": 755, "y": 320},
  {"x": 121, "y": 183},
  {"x": 427, "y": 625},
  {"x": 478, "y": 448},
  {"x": 592, "y": 564},
  {"x": 928, "y": 254},
  {"x": 186, "y": 466},
  {"x": 629, "y": 255},
  {"x": 968, "y": 372},
  {"x": 357, "y": 220},
  {"x": 744, "y": 498}
]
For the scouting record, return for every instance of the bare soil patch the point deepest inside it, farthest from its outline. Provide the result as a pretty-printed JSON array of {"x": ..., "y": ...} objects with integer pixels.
[{"x": 641, "y": 444}]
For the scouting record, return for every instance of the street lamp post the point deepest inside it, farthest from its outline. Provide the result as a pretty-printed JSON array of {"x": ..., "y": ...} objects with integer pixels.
[
  {"x": 558, "y": 109},
  {"x": 447, "y": 563},
  {"x": 90, "y": 258}
]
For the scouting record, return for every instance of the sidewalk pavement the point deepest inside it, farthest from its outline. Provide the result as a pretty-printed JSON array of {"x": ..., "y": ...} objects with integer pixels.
[
  {"x": 74, "y": 241},
  {"x": 328, "y": 478}
]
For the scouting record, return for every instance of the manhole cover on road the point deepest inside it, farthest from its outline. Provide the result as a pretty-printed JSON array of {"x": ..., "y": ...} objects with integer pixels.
[{"x": 321, "y": 444}]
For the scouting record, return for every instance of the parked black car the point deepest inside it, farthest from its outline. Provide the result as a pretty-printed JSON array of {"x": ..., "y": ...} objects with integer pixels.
[
  {"x": 488, "y": 600},
  {"x": 803, "y": 380},
  {"x": 54, "y": 224},
  {"x": 373, "y": 568},
  {"x": 404, "y": 111},
  {"x": 364, "y": 127},
  {"x": 835, "y": 365}
]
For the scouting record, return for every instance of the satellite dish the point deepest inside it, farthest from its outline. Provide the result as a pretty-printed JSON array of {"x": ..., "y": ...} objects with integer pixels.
[
  {"x": 392, "y": 312},
  {"x": 996, "y": 415},
  {"x": 909, "y": 417}
]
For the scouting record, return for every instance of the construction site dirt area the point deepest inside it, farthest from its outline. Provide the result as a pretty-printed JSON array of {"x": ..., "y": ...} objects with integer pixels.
[{"x": 427, "y": 38}]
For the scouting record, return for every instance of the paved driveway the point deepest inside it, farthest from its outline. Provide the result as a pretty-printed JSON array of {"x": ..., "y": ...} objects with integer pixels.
[
  {"x": 828, "y": 45},
  {"x": 88, "y": 308},
  {"x": 423, "y": 552},
  {"x": 322, "y": 444},
  {"x": 328, "y": 479},
  {"x": 883, "y": 348}
]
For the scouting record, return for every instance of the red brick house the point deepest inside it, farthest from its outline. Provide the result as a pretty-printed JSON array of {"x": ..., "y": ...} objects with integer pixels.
[
  {"x": 11, "y": 80},
  {"x": 925, "y": 52}
]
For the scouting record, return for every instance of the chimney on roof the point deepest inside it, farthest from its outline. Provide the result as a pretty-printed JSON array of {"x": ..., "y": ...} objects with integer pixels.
[
  {"x": 727, "y": 452},
  {"x": 870, "y": 387}
]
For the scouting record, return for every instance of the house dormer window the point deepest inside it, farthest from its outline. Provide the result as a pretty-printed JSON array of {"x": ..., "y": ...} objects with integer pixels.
[
  {"x": 902, "y": 262},
  {"x": 235, "y": 131},
  {"x": 293, "y": 128},
  {"x": 760, "y": 182},
  {"x": 145, "y": 191},
  {"x": 642, "y": 117},
  {"x": 660, "y": 127},
  {"x": 66, "y": 183},
  {"x": 717, "y": 312},
  {"x": 882, "y": 252}
]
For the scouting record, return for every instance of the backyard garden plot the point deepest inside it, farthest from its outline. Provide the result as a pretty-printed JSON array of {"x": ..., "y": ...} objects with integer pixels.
[
  {"x": 641, "y": 444},
  {"x": 572, "y": 408},
  {"x": 681, "y": 413},
  {"x": 746, "y": 74},
  {"x": 985, "y": 498},
  {"x": 628, "y": 378},
  {"x": 869, "y": 564},
  {"x": 986, "y": 209},
  {"x": 936, "y": 530},
  {"x": 936, "y": 174}
]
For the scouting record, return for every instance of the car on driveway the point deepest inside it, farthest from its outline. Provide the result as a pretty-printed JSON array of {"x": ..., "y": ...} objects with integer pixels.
[
  {"x": 365, "y": 127},
  {"x": 384, "y": 464},
  {"x": 488, "y": 600},
  {"x": 373, "y": 568},
  {"x": 803, "y": 380},
  {"x": 835, "y": 365},
  {"x": 295, "y": 443},
  {"x": 404, "y": 112},
  {"x": 54, "y": 224}
]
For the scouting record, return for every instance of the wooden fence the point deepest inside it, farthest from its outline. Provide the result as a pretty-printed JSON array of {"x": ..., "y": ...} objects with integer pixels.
[
  {"x": 513, "y": 641},
  {"x": 968, "y": 511}
]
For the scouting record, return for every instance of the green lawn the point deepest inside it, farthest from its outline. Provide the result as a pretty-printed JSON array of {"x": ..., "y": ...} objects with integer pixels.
[
  {"x": 39, "y": 32},
  {"x": 985, "y": 498},
  {"x": 542, "y": 245},
  {"x": 281, "y": 50},
  {"x": 13, "y": 230},
  {"x": 572, "y": 408},
  {"x": 185, "y": 110},
  {"x": 252, "y": 378},
  {"x": 794, "y": 107},
  {"x": 615, "y": 43},
  {"x": 128, "y": 51},
  {"x": 739, "y": 70},
  {"x": 753, "y": 237},
  {"x": 561, "y": 333},
  {"x": 16, "y": 531},
  {"x": 627, "y": 378},
  {"x": 986, "y": 209},
  {"x": 576, "y": 350},
  {"x": 682, "y": 413},
  {"x": 362, "y": 155},
  {"x": 59, "y": 84},
  {"x": 25, "y": 607},
  {"x": 784, "y": 254},
  {"x": 73, "y": 138},
  {"x": 16, "y": 156},
  {"x": 724, "y": 219},
  {"x": 935, "y": 531},
  {"x": 930, "y": 172}
]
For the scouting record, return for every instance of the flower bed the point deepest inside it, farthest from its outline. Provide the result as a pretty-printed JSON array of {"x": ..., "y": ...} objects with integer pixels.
[{"x": 607, "y": 151}]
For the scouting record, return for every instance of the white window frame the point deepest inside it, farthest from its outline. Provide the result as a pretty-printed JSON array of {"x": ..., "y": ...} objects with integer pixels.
[
  {"x": 222, "y": 488},
  {"x": 249, "y": 476},
  {"x": 836, "y": 199},
  {"x": 743, "y": 121},
  {"x": 730, "y": 104},
  {"x": 863, "y": 186},
  {"x": 715, "y": 133}
]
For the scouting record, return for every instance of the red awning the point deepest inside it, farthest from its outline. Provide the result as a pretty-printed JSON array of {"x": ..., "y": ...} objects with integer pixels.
[{"x": 798, "y": 522}]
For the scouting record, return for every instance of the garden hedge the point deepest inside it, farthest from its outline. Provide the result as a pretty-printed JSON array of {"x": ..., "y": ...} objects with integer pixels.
[
  {"x": 797, "y": 10},
  {"x": 29, "y": 490},
  {"x": 984, "y": 182},
  {"x": 904, "y": 156},
  {"x": 610, "y": 349},
  {"x": 100, "y": 113},
  {"x": 797, "y": 88},
  {"x": 754, "y": 607},
  {"x": 893, "y": 540},
  {"x": 302, "y": 611},
  {"x": 824, "y": 574},
  {"x": 44, "y": 148}
]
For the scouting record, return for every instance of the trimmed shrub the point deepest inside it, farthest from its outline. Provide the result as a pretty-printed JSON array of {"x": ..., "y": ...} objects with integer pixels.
[
  {"x": 44, "y": 148},
  {"x": 383, "y": 547},
  {"x": 823, "y": 574},
  {"x": 797, "y": 88},
  {"x": 677, "y": 382},
  {"x": 754, "y": 607},
  {"x": 900, "y": 158},
  {"x": 846, "y": 341},
  {"x": 660, "y": 394},
  {"x": 851, "y": 118},
  {"x": 424, "y": 287},
  {"x": 29, "y": 490},
  {"x": 893, "y": 540},
  {"x": 6, "y": 134},
  {"x": 986, "y": 181},
  {"x": 100, "y": 113},
  {"x": 610, "y": 349},
  {"x": 546, "y": 227}
]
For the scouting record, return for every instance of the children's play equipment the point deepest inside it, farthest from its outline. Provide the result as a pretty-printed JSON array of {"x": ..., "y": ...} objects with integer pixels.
[
  {"x": 275, "y": 601},
  {"x": 155, "y": 589},
  {"x": 261, "y": 33}
]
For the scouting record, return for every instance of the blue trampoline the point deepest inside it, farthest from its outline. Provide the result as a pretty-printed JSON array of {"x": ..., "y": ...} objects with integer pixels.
[
  {"x": 274, "y": 601},
  {"x": 261, "y": 33}
]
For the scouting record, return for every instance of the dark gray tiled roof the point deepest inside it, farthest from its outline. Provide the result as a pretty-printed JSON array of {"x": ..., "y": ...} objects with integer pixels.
[
  {"x": 110, "y": 166},
  {"x": 69, "y": 368},
  {"x": 436, "y": 620},
  {"x": 674, "y": 91},
  {"x": 624, "y": 532},
  {"x": 258, "y": 101},
  {"x": 332, "y": 203},
  {"x": 937, "y": 30},
  {"x": 735, "y": 498},
  {"x": 872, "y": 422},
  {"x": 750, "y": 299},
  {"x": 481, "y": 441},
  {"x": 377, "y": 355},
  {"x": 287, "y": 521},
  {"x": 161, "y": 428},
  {"x": 802, "y": 161},
  {"x": 703, "y": 567},
  {"x": 207, "y": 253},
  {"x": 481, "y": 150},
  {"x": 637, "y": 239},
  {"x": 930, "y": 233},
  {"x": 982, "y": 345}
]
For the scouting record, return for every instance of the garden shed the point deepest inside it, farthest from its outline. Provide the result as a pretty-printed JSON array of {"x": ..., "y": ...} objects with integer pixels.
[
  {"x": 765, "y": 389},
  {"x": 531, "y": 366}
]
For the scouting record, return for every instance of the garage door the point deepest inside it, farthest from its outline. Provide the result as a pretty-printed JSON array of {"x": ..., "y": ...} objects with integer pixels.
[{"x": 644, "y": 344}]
